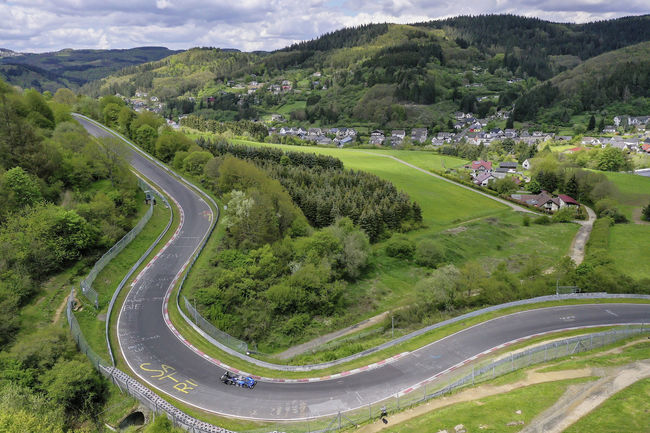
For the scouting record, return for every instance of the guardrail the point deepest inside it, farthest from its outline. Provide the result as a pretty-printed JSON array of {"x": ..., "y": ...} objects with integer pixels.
[
  {"x": 442, "y": 383},
  {"x": 404, "y": 338},
  {"x": 134, "y": 388},
  {"x": 86, "y": 284}
]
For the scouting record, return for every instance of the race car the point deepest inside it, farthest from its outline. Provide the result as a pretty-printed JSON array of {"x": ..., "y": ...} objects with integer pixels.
[{"x": 241, "y": 381}]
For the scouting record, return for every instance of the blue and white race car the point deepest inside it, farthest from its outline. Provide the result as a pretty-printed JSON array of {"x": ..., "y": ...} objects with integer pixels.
[{"x": 238, "y": 380}]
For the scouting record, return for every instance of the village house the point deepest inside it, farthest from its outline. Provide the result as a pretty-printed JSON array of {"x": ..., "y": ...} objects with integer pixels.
[
  {"x": 499, "y": 173},
  {"x": 345, "y": 141},
  {"x": 419, "y": 135},
  {"x": 277, "y": 118},
  {"x": 545, "y": 201},
  {"x": 511, "y": 167},
  {"x": 609, "y": 129},
  {"x": 377, "y": 138},
  {"x": 484, "y": 179},
  {"x": 397, "y": 136},
  {"x": 480, "y": 167}
]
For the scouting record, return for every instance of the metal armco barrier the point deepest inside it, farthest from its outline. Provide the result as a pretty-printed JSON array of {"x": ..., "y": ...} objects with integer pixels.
[{"x": 86, "y": 283}]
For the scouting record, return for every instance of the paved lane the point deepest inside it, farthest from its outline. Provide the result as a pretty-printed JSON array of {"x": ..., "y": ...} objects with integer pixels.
[{"x": 159, "y": 358}]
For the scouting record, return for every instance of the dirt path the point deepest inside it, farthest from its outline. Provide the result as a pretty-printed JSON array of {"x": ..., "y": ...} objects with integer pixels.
[
  {"x": 305, "y": 347},
  {"x": 636, "y": 217},
  {"x": 59, "y": 311},
  {"x": 581, "y": 399},
  {"x": 577, "y": 249},
  {"x": 533, "y": 377}
]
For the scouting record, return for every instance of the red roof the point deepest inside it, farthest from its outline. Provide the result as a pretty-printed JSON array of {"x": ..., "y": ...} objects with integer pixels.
[
  {"x": 576, "y": 149},
  {"x": 568, "y": 200},
  {"x": 487, "y": 165}
]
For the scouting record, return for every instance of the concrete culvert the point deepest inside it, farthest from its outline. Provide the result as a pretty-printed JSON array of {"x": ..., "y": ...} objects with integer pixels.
[{"x": 133, "y": 419}]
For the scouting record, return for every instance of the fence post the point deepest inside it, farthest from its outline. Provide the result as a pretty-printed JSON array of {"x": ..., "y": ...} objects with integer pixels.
[
  {"x": 512, "y": 362},
  {"x": 473, "y": 375},
  {"x": 369, "y": 412},
  {"x": 339, "y": 420}
]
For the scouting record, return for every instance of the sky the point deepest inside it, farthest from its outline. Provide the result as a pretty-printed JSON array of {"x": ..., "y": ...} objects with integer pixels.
[{"x": 51, "y": 25}]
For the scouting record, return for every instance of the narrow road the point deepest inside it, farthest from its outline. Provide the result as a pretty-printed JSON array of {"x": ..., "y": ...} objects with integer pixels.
[{"x": 577, "y": 250}]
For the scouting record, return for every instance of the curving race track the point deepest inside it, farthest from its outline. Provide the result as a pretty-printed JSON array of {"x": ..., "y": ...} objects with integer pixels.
[{"x": 162, "y": 360}]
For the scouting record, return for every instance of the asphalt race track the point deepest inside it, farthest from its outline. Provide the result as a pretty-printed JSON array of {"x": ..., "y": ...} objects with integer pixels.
[{"x": 160, "y": 359}]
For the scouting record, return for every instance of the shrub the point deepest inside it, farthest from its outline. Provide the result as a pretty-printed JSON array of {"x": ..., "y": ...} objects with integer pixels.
[
  {"x": 564, "y": 215},
  {"x": 645, "y": 214},
  {"x": 542, "y": 220},
  {"x": 428, "y": 253},
  {"x": 526, "y": 221},
  {"x": 400, "y": 247}
]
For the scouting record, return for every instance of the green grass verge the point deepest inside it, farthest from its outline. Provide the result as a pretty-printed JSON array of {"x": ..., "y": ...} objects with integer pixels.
[
  {"x": 491, "y": 414},
  {"x": 633, "y": 191},
  {"x": 625, "y": 411},
  {"x": 629, "y": 245},
  {"x": 638, "y": 351}
]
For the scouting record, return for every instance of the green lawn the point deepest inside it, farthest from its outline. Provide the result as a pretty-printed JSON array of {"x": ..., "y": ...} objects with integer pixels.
[
  {"x": 629, "y": 246},
  {"x": 626, "y": 411},
  {"x": 634, "y": 190},
  {"x": 286, "y": 109},
  {"x": 490, "y": 414}
]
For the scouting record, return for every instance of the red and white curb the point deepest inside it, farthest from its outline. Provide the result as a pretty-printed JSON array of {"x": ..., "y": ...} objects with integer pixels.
[{"x": 494, "y": 349}]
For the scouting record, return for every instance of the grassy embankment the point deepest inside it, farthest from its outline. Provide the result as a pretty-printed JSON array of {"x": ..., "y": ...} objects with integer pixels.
[
  {"x": 629, "y": 243},
  {"x": 623, "y": 412}
]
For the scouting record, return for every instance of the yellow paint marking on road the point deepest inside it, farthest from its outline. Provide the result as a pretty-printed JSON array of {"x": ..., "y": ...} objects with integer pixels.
[{"x": 167, "y": 372}]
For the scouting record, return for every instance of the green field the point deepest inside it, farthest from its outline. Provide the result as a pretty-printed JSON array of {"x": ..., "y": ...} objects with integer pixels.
[
  {"x": 629, "y": 246},
  {"x": 634, "y": 191},
  {"x": 626, "y": 411},
  {"x": 490, "y": 414},
  {"x": 442, "y": 203}
]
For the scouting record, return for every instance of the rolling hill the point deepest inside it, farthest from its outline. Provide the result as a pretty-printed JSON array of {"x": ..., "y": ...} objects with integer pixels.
[
  {"x": 72, "y": 68},
  {"x": 385, "y": 75}
]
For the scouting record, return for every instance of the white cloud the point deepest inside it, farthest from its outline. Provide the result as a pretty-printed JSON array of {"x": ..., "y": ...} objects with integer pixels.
[{"x": 46, "y": 25}]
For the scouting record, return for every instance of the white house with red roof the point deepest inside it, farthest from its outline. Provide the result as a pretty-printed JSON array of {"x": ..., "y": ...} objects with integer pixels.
[
  {"x": 566, "y": 200},
  {"x": 480, "y": 167}
]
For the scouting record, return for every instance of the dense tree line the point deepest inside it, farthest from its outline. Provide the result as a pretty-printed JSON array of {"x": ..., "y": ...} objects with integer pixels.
[
  {"x": 529, "y": 42},
  {"x": 346, "y": 37},
  {"x": 240, "y": 128},
  {"x": 325, "y": 192}
]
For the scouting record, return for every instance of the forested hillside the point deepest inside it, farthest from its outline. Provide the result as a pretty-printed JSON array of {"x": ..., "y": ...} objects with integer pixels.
[
  {"x": 72, "y": 68},
  {"x": 620, "y": 76},
  {"x": 389, "y": 75},
  {"x": 66, "y": 198}
]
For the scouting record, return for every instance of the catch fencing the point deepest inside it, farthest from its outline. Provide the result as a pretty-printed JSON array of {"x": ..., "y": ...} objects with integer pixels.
[
  {"x": 222, "y": 337},
  {"x": 134, "y": 388},
  {"x": 462, "y": 377},
  {"x": 87, "y": 283}
]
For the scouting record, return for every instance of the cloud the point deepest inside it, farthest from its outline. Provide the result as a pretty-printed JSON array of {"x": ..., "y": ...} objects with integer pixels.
[{"x": 47, "y": 25}]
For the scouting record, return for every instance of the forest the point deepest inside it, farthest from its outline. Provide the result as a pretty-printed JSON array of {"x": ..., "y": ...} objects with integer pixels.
[
  {"x": 325, "y": 192},
  {"x": 66, "y": 198}
]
